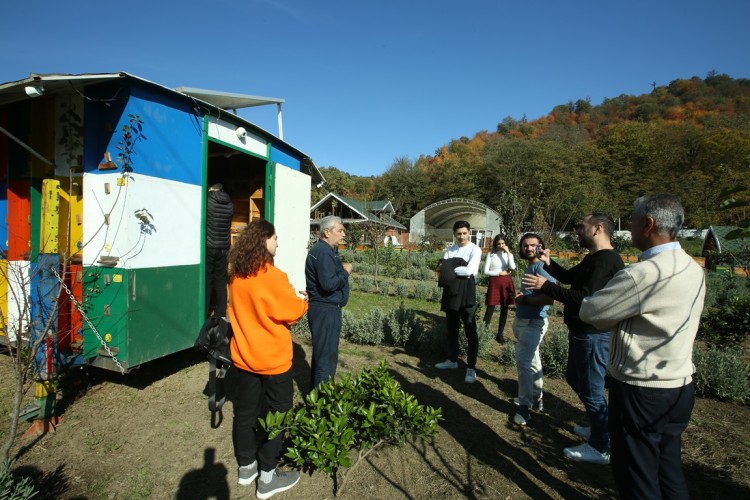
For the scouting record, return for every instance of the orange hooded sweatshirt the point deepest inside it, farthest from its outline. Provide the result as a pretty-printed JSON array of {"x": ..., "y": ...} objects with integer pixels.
[{"x": 262, "y": 309}]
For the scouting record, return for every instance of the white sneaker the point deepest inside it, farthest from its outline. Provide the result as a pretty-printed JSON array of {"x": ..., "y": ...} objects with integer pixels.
[
  {"x": 447, "y": 365},
  {"x": 581, "y": 431},
  {"x": 471, "y": 376},
  {"x": 585, "y": 453}
]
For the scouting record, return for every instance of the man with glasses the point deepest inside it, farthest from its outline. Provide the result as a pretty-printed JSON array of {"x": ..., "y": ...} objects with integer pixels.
[{"x": 588, "y": 346}]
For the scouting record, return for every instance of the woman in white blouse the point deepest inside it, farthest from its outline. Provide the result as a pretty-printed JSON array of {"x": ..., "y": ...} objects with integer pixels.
[{"x": 500, "y": 289}]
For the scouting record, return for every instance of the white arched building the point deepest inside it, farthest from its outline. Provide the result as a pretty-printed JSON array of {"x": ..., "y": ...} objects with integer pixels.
[{"x": 435, "y": 222}]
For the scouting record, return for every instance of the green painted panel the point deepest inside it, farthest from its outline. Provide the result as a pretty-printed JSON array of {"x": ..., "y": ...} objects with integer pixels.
[
  {"x": 148, "y": 313},
  {"x": 105, "y": 303}
]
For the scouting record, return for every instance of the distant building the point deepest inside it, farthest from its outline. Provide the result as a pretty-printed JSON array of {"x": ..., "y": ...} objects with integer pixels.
[
  {"x": 435, "y": 222},
  {"x": 357, "y": 212}
]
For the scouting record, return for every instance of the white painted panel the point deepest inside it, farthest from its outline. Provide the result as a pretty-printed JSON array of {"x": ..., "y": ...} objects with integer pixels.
[
  {"x": 171, "y": 238},
  {"x": 227, "y": 132},
  {"x": 19, "y": 298},
  {"x": 292, "y": 221}
]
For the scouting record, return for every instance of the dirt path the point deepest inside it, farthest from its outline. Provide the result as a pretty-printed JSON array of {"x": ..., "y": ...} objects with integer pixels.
[{"x": 147, "y": 436}]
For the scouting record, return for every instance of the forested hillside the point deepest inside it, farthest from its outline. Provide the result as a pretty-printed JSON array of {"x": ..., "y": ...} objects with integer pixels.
[{"x": 690, "y": 138}]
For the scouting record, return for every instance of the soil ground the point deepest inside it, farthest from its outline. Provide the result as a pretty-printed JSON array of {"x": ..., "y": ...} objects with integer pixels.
[{"x": 147, "y": 435}]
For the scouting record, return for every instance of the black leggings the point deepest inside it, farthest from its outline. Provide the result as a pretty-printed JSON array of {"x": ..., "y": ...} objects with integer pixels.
[{"x": 503, "y": 318}]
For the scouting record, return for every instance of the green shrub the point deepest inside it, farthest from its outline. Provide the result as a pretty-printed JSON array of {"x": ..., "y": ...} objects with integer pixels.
[
  {"x": 721, "y": 374},
  {"x": 401, "y": 289},
  {"x": 13, "y": 488},
  {"x": 402, "y": 328},
  {"x": 421, "y": 291},
  {"x": 302, "y": 328},
  {"x": 368, "y": 330},
  {"x": 357, "y": 413},
  {"x": 384, "y": 287},
  {"x": 554, "y": 352},
  {"x": 728, "y": 325},
  {"x": 486, "y": 339},
  {"x": 367, "y": 284},
  {"x": 720, "y": 288},
  {"x": 508, "y": 354},
  {"x": 436, "y": 294}
]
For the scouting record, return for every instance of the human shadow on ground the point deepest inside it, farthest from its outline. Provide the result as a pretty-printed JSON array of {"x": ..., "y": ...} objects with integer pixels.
[
  {"x": 49, "y": 485},
  {"x": 482, "y": 442},
  {"x": 210, "y": 481}
]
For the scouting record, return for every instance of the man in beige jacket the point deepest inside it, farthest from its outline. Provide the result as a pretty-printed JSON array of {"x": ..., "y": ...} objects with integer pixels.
[{"x": 653, "y": 309}]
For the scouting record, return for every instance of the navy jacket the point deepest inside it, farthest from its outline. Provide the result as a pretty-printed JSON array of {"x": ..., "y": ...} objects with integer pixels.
[{"x": 327, "y": 280}]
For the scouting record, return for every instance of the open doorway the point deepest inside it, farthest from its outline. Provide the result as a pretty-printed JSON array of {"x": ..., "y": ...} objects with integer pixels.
[{"x": 243, "y": 177}]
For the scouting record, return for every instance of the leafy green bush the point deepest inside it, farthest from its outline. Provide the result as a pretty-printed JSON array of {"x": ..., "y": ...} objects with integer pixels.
[
  {"x": 367, "y": 284},
  {"x": 721, "y": 374},
  {"x": 421, "y": 291},
  {"x": 302, "y": 328},
  {"x": 402, "y": 328},
  {"x": 728, "y": 325},
  {"x": 554, "y": 352},
  {"x": 384, "y": 287},
  {"x": 357, "y": 413},
  {"x": 722, "y": 287},
  {"x": 12, "y": 488},
  {"x": 486, "y": 339},
  {"x": 401, "y": 289},
  {"x": 367, "y": 330},
  {"x": 436, "y": 294},
  {"x": 508, "y": 354}
]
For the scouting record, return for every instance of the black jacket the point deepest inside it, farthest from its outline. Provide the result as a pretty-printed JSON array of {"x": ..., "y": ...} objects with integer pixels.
[
  {"x": 219, "y": 212},
  {"x": 459, "y": 292},
  {"x": 589, "y": 276}
]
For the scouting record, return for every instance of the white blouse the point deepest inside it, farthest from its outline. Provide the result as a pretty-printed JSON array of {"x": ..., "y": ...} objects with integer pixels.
[{"x": 498, "y": 262}]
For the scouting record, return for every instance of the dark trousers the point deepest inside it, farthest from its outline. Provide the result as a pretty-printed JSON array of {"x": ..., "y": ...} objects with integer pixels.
[
  {"x": 501, "y": 324},
  {"x": 256, "y": 396},
  {"x": 588, "y": 355},
  {"x": 454, "y": 320},
  {"x": 216, "y": 280},
  {"x": 645, "y": 427},
  {"x": 325, "y": 327}
]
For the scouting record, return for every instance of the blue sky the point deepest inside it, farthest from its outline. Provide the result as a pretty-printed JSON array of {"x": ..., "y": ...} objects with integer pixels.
[{"x": 367, "y": 82}]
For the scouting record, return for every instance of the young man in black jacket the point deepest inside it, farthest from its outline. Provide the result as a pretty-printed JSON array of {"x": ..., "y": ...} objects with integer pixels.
[{"x": 219, "y": 212}]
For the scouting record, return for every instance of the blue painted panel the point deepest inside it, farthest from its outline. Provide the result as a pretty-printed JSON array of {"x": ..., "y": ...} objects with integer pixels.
[
  {"x": 279, "y": 156},
  {"x": 170, "y": 143},
  {"x": 43, "y": 307}
]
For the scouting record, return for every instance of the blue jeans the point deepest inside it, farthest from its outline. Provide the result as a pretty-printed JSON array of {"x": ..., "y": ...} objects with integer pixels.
[
  {"x": 529, "y": 333},
  {"x": 588, "y": 355}
]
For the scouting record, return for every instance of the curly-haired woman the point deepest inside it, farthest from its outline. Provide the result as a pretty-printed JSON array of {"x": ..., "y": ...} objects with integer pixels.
[{"x": 262, "y": 307}]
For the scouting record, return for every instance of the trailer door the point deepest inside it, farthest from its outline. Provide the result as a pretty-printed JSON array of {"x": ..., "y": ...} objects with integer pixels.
[{"x": 291, "y": 216}]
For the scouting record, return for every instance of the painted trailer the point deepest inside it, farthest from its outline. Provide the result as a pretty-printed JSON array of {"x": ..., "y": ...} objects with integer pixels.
[{"x": 103, "y": 182}]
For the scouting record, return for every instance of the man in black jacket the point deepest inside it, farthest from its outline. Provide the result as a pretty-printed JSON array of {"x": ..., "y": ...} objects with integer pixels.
[
  {"x": 588, "y": 346},
  {"x": 219, "y": 212}
]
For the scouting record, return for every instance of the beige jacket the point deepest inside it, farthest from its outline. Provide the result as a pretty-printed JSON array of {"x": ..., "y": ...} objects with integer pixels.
[{"x": 653, "y": 309}]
